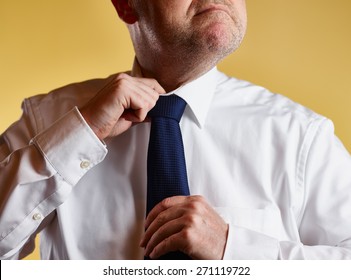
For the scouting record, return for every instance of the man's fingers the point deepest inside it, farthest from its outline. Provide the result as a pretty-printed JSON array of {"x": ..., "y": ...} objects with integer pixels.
[
  {"x": 123, "y": 101},
  {"x": 162, "y": 218},
  {"x": 148, "y": 82},
  {"x": 169, "y": 217},
  {"x": 187, "y": 224},
  {"x": 163, "y": 232},
  {"x": 175, "y": 242},
  {"x": 152, "y": 83},
  {"x": 145, "y": 94},
  {"x": 163, "y": 205},
  {"x": 138, "y": 102}
]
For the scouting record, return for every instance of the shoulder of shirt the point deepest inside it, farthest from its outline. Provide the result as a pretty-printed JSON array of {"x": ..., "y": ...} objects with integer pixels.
[
  {"x": 240, "y": 93},
  {"x": 44, "y": 109}
]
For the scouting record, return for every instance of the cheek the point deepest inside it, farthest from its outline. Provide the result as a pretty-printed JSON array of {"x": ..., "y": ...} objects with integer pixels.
[
  {"x": 168, "y": 21},
  {"x": 163, "y": 17},
  {"x": 170, "y": 11}
]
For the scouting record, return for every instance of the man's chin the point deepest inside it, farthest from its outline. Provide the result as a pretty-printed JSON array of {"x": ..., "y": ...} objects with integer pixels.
[{"x": 219, "y": 38}]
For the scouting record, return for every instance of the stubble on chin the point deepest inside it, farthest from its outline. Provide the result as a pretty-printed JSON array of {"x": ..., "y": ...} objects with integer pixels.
[
  {"x": 202, "y": 40},
  {"x": 222, "y": 35},
  {"x": 215, "y": 38}
]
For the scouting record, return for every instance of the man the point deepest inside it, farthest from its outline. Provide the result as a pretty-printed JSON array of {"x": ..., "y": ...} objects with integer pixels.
[{"x": 268, "y": 179}]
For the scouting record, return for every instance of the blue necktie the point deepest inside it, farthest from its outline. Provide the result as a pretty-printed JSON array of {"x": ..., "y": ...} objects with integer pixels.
[{"x": 166, "y": 170}]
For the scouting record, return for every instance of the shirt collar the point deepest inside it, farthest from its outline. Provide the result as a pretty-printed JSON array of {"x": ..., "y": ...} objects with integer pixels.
[{"x": 198, "y": 93}]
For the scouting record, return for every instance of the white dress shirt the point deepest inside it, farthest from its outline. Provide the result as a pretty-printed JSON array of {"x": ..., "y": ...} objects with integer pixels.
[{"x": 271, "y": 168}]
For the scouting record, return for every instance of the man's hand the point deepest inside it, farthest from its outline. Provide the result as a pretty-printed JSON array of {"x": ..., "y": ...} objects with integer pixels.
[
  {"x": 122, "y": 102},
  {"x": 187, "y": 224}
]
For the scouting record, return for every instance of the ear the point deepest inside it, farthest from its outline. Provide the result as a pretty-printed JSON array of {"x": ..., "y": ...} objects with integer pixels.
[{"x": 125, "y": 11}]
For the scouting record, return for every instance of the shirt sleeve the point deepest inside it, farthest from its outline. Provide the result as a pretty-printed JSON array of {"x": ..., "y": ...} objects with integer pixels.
[
  {"x": 324, "y": 222},
  {"x": 38, "y": 174}
]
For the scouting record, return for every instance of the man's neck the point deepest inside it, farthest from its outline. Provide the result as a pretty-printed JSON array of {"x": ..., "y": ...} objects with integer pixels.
[{"x": 172, "y": 76}]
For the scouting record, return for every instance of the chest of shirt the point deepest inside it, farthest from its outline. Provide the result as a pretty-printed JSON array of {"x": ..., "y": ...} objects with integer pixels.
[{"x": 249, "y": 180}]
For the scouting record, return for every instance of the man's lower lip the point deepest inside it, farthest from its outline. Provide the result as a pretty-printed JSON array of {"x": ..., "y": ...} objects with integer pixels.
[{"x": 209, "y": 11}]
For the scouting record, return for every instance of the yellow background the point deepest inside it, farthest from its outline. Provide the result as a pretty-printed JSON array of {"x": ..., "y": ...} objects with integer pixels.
[{"x": 298, "y": 48}]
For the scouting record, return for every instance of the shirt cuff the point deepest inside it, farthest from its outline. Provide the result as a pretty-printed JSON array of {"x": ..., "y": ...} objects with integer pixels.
[
  {"x": 71, "y": 147},
  {"x": 245, "y": 244}
]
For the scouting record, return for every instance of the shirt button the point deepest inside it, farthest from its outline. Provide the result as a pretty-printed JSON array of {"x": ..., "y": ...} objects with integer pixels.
[
  {"x": 85, "y": 164},
  {"x": 36, "y": 216}
]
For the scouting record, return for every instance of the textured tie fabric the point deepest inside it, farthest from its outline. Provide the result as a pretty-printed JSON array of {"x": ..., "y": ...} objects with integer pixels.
[{"x": 166, "y": 169}]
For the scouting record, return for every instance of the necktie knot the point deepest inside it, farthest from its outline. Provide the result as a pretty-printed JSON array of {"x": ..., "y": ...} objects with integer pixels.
[{"x": 171, "y": 106}]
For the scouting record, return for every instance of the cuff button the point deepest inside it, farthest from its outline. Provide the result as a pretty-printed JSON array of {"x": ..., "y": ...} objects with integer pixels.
[
  {"x": 36, "y": 216},
  {"x": 85, "y": 164}
]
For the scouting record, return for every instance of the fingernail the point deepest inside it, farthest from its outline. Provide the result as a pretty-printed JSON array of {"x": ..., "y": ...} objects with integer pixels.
[
  {"x": 151, "y": 255},
  {"x": 147, "y": 251}
]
